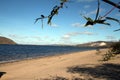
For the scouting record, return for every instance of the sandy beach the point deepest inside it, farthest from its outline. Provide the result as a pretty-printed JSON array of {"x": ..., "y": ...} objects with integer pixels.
[{"x": 80, "y": 65}]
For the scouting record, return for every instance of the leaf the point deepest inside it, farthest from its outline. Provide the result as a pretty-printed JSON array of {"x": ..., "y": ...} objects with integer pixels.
[
  {"x": 42, "y": 16},
  {"x": 99, "y": 21},
  {"x": 106, "y": 24},
  {"x": 110, "y": 18},
  {"x": 56, "y": 12},
  {"x": 42, "y": 23},
  {"x": 49, "y": 19},
  {"x": 88, "y": 19},
  {"x": 117, "y": 30},
  {"x": 37, "y": 20},
  {"x": 97, "y": 10},
  {"x": 89, "y": 23}
]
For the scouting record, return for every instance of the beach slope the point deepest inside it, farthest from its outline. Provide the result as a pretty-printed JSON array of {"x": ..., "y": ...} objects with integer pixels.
[{"x": 82, "y": 65}]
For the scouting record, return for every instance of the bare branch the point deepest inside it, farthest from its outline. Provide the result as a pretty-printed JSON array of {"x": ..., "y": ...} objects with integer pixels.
[
  {"x": 112, "y": 3},
  {"x": 97, "y": 10}
]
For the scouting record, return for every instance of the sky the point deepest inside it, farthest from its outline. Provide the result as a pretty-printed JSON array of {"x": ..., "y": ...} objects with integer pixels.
[{"x": 17, "y": 19}]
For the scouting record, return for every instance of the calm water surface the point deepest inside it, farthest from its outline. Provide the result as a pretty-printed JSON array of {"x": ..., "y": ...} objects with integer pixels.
[{"x": 18, "y": 52}]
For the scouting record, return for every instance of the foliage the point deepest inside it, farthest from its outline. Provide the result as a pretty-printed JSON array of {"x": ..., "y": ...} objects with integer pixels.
[
  {"x": 54, "y": 12},
  {"x": 112, "y": 3},
  {"x": 114, "y": 50},
  {"x": 100, "y": 20}
]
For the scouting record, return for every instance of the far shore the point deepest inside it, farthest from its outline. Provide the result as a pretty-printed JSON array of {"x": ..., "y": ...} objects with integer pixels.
[{"x": 69, "y": 66}]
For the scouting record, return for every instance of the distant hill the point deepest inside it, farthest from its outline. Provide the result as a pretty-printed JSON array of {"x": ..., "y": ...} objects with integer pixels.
[
  {"x": 96, "y": 44},
  {"x": 4, "y": 40}
]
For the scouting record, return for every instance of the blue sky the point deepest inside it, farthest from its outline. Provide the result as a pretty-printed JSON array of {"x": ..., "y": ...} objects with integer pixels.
[{"x": 17, "y": 22}]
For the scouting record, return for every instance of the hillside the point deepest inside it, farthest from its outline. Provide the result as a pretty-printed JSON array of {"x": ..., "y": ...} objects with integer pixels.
[{"x": 4, "y": 40}]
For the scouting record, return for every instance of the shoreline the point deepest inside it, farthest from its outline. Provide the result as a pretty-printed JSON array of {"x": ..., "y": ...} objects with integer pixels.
[
  {"x": 58, "y": 65},
  {"x": 39, "y": 57},
  {"x": 15, "y": 55}
]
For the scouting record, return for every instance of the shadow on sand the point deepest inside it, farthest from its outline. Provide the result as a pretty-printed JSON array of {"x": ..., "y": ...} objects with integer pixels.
[
  {"x": 2, "y": 73},
  {"x": 104, "y": 71}
]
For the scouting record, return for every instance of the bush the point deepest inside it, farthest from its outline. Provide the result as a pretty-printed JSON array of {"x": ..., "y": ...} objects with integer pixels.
[{"x": 114, "y": 50}]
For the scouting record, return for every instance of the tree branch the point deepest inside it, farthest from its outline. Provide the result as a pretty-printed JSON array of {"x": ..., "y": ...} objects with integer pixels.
[{"x": 112, "y": 3}]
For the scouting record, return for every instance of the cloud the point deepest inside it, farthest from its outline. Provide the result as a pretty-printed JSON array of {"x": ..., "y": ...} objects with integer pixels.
[
  {"x": 38, "y": 38},
  {"x": 91, "y": 13},
  {"x": 46, "y": 37},
  {"x": 118, "y": 14},
  {"x": 54, "y": 25},
  {"x": 66, "y": 36},
  {"x": 110, "y": 37},
  {"x": 22, "y": 39},
  {"x": 94, "y": 12},
  {"x": 73, "y": 34},
  {"x": 17, "y": 36},
  {"x": 85, "y": 0},
  {"x": 87, "y": 6},
  {"x": 77, "y": 24},
  {"x": 69, "y": 35},
  {"x": 80, "y": 25},
  {"x": 86, "y": 33},
  {"x": 0, "y": 34}
]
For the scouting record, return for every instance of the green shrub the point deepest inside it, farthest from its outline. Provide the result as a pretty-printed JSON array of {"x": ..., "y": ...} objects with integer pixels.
[{"x": 114, "y": 50}]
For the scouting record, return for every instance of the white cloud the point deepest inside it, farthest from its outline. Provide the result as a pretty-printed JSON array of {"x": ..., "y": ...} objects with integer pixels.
[
  {"x": 87, "y": 6},
  {"x": 0, "y": 34},
  {"x": 54, "y": 25},
  {"x": 17, "y": 36},
  {"x": 77, "y": 25},
  {"x": 46, "y": 37},
  {"x": 22, "y": 39},
  {"x": 112, "y": 38},
  {"x": 66, "y": 36},
  {"x": 94, "y": 12},
  {"x": 80, "y": 25},
  {"x": 72, "y": 34},
  {"x": 87, "y": 33},
  {"x": 91, "y": 13},
  {"x": 37, "y": 38},
  {"x": 118, "y": 14},
  {"x": 69, "y": 37}
]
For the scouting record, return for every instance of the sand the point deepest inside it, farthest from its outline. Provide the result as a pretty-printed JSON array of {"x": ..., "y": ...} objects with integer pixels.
[{"x": 59, "y": 65}]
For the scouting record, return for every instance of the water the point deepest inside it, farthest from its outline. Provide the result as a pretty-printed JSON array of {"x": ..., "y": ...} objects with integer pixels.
[{"x": 18, "y": 52}]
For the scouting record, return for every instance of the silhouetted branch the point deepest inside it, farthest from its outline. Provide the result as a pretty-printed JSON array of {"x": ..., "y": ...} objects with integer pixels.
[
  {"x": 98, "y": 19},
  {"x": 97, "y": 10},
  {"x": 117, "y": 30},
  {"x": 110, "y": 18},
  {"x": 2, "y": 73},
  {"x": 52, "y": 13},
  {"x": 112, "y": 3}
]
